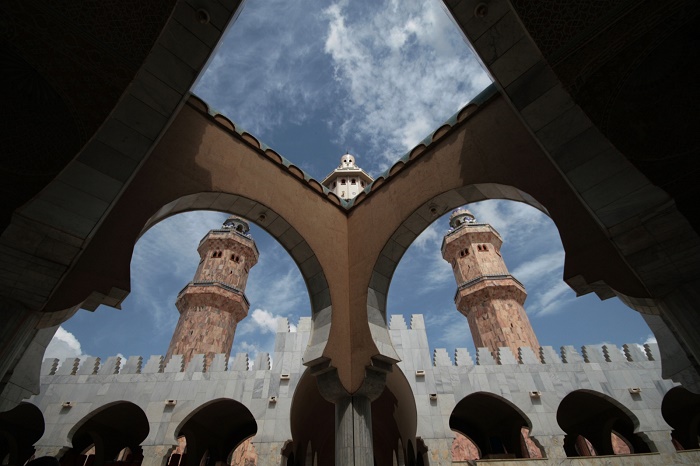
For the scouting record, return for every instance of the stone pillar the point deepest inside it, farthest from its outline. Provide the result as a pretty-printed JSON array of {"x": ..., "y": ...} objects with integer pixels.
[
  {"x": 439, "y": 451},
  {"x": 156, "y": 455},
  {"x": 353, "y": 431},
  {"x": 50, "y": 450},
  {"x": 353, "y": 412},
  {"x": 659, "y": 440},
  {"x": 553, "y": 445},
  {"x": 269, "y": 453}
]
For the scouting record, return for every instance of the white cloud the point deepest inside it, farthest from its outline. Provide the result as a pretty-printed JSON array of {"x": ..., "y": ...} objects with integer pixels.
[
  {"x": 265, "y": 320},
  {"x": 540, "y": 268},
  {"x": 64, "y": 345},
  {"x": 551, "y": 300},
  {"x": 454, "y": 329},
  {"x": 430, "y": 237},
  {"x": 260, "y": 322},
  {"x": 265, "y": 74},
  {"x": 405, "y": 69}
]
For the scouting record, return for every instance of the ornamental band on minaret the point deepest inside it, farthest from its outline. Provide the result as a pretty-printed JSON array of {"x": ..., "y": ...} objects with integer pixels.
[
  {"x": 487, "y": 294},
  {"x": 213, "y": 303}
]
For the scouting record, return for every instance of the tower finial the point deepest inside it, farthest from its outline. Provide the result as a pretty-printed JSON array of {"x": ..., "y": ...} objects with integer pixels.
[{"x": 461, "y": 216}]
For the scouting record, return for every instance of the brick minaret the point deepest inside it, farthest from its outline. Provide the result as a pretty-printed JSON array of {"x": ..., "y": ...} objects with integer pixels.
[
  {"x": 213, "y": 303},
  {"x": 487, "y": 294}
]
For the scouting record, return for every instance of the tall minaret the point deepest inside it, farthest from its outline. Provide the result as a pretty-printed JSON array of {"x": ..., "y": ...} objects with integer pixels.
[
  {"x": 487, "y": 294},
  {"x": 213, "y": 303},
  {"x": 348, "y": 180}
]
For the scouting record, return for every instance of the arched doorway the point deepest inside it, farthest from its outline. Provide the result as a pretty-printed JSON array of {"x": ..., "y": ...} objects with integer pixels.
[
  {"x": 597, "y": 425},
  {"x": 214, "y": 430},
  {"x": 681, "y": 410},
  {"x": 108, "y": 429},
  {"x": 20, "y": 428},
  {"x": 394, "y": 420},
  {"x": 493, "y": 424}
]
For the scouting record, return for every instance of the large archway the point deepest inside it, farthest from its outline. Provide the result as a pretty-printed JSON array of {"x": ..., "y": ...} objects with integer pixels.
[
  {"x": 394, "y": 420},
  {"x": 681, "y": 410},
  {"x": 20, "y": 428},
  {"x": 109, "y": 429},
  {"x": 493, "y": 424},
  {"x": 593, "y": 418},
  {"x": 215, "y": 430}
]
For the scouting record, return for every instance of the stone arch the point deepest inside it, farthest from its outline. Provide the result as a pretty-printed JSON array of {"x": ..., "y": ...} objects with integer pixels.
[
  {"x": 420, "y": 219},
  {"x": 464, "y": 448},
  {"x": 400, "y": 461},
  {"x": 20, "y": 428},
  {"x": 267, "y": 219},
  {"x": 216, "y": 427},
  {"x": 597, "y": 418},
  {"x": 407, "y": 232},
  {"x": 681, "y": 410},
  {"x": 312, "y": 420},
  {"x": 493, "y": 423},
  {"x": 110, "y": 428},
  {"x": 394, "y": 418}
]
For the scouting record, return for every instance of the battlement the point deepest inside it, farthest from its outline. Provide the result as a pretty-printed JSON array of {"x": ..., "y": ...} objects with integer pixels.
[
  {"x": 548, "y": 355},
  {"x": 303, "y": 325},
  {"x": 154, "y": 365},
  {"x": 602, "y": 353}
]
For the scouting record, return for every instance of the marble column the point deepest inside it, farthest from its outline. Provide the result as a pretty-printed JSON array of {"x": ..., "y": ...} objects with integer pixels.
[
  {"x": 54, "y": 451},
  {"x": 659, "y": 440},
  {"x": 353, "y": 431},
  {"x": 156, "y": 455},
  {"x": 353, "y": 412},
  {"x": 553, "y": 445}
]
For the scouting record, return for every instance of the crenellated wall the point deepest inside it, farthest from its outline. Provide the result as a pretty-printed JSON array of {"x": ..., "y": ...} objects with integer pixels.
[{"x": 439, "y": 381}]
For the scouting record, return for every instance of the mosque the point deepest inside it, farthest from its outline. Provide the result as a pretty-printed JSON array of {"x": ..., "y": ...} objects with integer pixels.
[
  {"x": 512, "y": 400},
  {"x": 591, "y": 118}
]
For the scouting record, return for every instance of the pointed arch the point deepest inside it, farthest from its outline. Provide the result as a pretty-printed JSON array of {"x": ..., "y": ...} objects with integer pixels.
[
  {"x": 493, "y": 423},
  {"x": 596, "y": 417},
  {"x": 110, "y": 428},
  {"x": 217, "y": 427}
]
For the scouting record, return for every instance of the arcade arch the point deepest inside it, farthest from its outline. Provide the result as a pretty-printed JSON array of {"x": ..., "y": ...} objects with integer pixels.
[
  {"x": 215, "y": 429},
  {"x": 493, "y": 424},
  {"x": 394, "y": 421},
  {"x": 20, "y": 428},
  {"x": 423, "y": 282},
  {"x": 681, "y": 410},
  {"x": 594, "y": 419},
  {"x": 109, "y": 429}
]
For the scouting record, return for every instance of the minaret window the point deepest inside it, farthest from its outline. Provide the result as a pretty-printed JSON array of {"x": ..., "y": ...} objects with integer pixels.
[
  {"x": 353, "y": 181},
  {"x": 216, "y": 254},
  {"x": 362, "y": 183},
  {"x": 342, "y": 181},
  {"x": 333, "y": 187}
]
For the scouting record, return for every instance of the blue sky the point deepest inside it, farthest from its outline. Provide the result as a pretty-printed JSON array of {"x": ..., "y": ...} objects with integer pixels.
[{"x": 372, "y": 78}]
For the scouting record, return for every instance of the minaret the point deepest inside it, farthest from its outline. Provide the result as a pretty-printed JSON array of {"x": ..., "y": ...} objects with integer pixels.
[
  {"x": 213, "y": 303},
  {"x": 348, "y": 180},
  {"x": 487, "y": 294}
]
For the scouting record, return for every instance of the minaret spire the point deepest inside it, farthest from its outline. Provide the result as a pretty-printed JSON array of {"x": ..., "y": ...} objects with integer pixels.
[
  {"x": 487, "y": 294},
  {"x": 213, "y": 303}
]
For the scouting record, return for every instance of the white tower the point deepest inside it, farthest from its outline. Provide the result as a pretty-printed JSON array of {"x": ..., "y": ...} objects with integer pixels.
[{"x": 348, "y": 180}]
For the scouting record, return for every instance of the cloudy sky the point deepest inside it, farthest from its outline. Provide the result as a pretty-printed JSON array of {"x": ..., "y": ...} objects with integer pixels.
[{"x": 313, "y": 80}]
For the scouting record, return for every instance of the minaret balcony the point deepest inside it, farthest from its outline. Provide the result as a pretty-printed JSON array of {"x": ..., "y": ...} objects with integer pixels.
[
  {"x": 213, "y": 294},
  {"x": 482, "y": 287}
]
